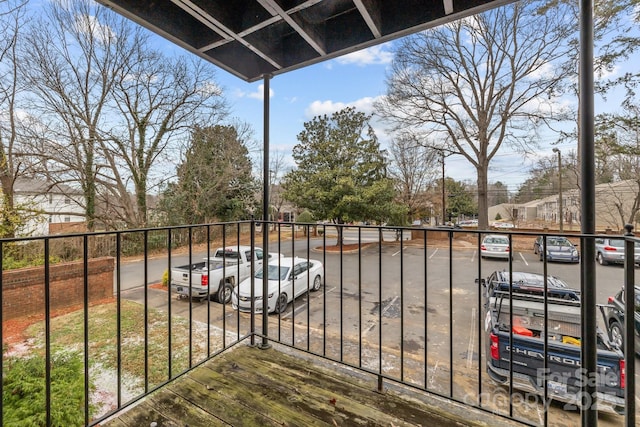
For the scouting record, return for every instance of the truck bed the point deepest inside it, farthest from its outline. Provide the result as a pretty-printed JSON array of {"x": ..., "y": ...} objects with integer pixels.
[{"x": 521, "y": 349}]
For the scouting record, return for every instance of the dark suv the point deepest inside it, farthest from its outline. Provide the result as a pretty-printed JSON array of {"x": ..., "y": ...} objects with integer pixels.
[
  {"x": 530, "y": 283},
  {"x": 615, "y": 319}
]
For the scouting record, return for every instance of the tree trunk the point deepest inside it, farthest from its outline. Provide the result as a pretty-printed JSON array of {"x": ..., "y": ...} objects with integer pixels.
[
  {"x": 483, "y": 209},
  {"x": 340, "y": 240}
]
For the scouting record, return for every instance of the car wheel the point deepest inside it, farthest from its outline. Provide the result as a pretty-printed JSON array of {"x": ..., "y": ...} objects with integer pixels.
[
  {"x": 281, "y": 305},
  {"x": 601, "y": 260},
  {"x": 617, "y": 335},
  {"x": 224, "y": 294},
  {"x": 317, "y": 282}
]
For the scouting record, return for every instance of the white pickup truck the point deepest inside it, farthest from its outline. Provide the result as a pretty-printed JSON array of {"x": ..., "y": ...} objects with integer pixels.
[{"x": 217, "y": 275}]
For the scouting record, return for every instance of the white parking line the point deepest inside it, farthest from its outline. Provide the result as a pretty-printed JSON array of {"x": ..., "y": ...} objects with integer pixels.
[
  {"x": 434, "y": 252},
  {"x": 472, "y": 337},
  {"x": 373, "y": 323},
  {"x": 523, "y": 259},
  {"x": 473, "y": 256},
  {"x": 397, "y": 253},
  {"x": 300, "y": 307}
]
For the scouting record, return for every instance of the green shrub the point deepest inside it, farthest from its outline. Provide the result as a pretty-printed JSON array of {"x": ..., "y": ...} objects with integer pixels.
[{"x": 23, "y": 400}]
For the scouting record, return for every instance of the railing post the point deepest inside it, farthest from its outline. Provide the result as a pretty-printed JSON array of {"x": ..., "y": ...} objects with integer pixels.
[
  {"x": 253, "y": 275},
  {"x": 629, "y": 327}
]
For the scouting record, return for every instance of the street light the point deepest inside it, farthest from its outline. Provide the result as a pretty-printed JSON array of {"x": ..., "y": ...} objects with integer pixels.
[{"x": 560, "y": 213}]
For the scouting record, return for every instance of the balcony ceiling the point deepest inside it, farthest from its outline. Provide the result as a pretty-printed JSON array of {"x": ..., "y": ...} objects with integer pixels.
[{"x": 254, "y": 38}]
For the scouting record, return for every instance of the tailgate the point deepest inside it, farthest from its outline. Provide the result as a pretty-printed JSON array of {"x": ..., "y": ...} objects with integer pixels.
[
  {"x": 180, "y": 275},
  {"x": 563, "y": 372}
]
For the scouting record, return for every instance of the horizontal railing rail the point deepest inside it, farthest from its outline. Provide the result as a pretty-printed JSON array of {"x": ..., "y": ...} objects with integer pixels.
[{"x": 410, "y": 305}]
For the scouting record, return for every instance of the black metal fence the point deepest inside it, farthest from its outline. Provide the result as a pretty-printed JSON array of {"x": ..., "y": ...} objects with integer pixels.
[{"x": 409, "y": 305}]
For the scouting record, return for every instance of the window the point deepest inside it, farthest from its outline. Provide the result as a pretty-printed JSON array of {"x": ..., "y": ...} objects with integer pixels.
[
  {"x": 67, "y": 219},
  {"x": 67, "y": 201}
]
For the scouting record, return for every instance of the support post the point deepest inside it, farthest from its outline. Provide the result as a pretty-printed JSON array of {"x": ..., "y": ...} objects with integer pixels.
[
  {"x": 265, "y": 216},
  {"x": 589, "y": 413}
]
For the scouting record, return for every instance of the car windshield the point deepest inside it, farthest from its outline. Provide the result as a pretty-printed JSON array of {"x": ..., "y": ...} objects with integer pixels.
[
  {"x": 227, "y": 253},
  {"x": 496, "y": 240},
  {"x": 616, "y": 243},
  {"x": 275, "y": 272},
  {"x": 559, "y": 242},
  {"x": 525, "y": 279}
]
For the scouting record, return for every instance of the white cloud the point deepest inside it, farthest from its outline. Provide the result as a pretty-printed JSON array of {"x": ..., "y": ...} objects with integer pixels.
[
  {"x": 373, "y": 55},
  {"x": 317, "y": 108},
  {"x": 259, "y": 94}
]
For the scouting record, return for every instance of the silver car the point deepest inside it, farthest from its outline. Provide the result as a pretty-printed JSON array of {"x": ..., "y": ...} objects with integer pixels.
[
  {"x": 611, "y": 251},
  {"x": 495, "y": 246}
]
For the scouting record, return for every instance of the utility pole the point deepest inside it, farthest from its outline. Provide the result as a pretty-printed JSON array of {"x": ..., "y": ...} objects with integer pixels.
[{"x": 560, "y": 209}]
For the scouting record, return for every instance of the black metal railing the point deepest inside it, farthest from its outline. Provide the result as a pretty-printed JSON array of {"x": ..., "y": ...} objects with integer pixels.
[{"x": 404, "y": 303}]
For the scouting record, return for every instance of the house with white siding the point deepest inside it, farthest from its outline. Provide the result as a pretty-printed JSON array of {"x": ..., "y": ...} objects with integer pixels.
[{"x": 53, "y": 208}]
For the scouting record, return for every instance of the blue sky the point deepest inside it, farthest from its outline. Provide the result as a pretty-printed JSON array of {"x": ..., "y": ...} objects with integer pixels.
[
  {"x": 357, "y": 79},
  {"x": 353, "y": 80}
]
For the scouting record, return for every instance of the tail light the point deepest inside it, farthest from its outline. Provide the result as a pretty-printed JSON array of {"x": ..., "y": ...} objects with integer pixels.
[
  {"x": 495, "y": 352},
  {"x": 483, "y": 248},
  {"x": 204, "y": 280},
  {"x": 507, "y": 249},
  {"x": 610, "y": 300},
  {"x": 610, "y": 248},
  {"x": 623, "y": 374}
]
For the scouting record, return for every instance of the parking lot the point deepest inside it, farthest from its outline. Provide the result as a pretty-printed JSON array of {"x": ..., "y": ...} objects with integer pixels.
[{"x": 398, "y": 301}]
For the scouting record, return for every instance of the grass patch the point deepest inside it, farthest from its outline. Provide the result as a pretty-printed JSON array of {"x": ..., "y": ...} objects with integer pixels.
[
  {"x": 68, "y": 335},
  {"x": 68, "y": 332}
]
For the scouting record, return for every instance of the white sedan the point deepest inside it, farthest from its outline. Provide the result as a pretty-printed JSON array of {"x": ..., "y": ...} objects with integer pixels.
[
  {"x": 495, "y": 246},
  {"x": 288, "y": 279}
]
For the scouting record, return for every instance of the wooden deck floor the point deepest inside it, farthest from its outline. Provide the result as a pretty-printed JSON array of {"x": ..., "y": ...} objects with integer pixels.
[{"x": 247, "y": 386}]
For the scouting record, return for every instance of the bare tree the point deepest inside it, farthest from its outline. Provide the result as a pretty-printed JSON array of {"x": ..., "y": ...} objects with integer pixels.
[
  {"x": 277, "y": 169},
  {"x": 482, "y": 82},
  {"x": 159, "y": 100},
  {"x": 114, "y": 111},
  {"x": 621, "y": 141},
  {"x": 71, "y": 58},
  {"x": 414, "y": 169},
  {"x": 11, "y": 23}
]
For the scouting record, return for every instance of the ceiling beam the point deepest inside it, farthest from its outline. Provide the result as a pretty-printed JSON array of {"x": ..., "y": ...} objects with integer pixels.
[
  {"x": 305, "y": 30},
  {"x": 370, "y": 11},
  {"x": 225, "y": 32}
]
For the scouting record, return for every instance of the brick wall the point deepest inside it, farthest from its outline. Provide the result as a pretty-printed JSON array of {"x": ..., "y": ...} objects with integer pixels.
[{"x": 23, "y": 290}]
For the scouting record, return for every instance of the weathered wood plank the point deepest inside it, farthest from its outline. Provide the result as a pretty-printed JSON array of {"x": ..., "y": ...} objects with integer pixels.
[
  {"x": 250, "y": 387},
  {"x": 255, "y": 395},
  {"x": 115, "y": 422},
  {"x": 228, "y": 406},
  {"x": 144, "y": 415},
  {"x": 323, "y": 396},
  {"x": 181, "y": 410}
]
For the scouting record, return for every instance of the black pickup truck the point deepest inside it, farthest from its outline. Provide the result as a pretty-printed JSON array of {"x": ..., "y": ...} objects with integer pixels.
[{"x": 515, "y": 330}]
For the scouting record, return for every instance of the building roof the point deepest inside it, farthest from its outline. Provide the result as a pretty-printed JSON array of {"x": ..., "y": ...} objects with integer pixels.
[
  {"x": 254, "y": 38},
  {"x": 34, "y": 186}
]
